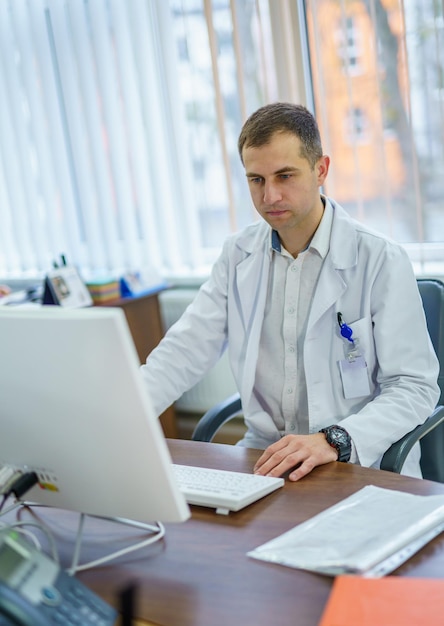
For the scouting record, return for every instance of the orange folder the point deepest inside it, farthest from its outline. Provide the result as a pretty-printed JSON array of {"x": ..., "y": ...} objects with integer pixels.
[{"x": 387, "y": 601}]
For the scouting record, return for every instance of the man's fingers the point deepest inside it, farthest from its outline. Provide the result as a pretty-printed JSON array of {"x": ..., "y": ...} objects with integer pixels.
[
  {"x": 301, "y": 471},
  {"x": 270, "y": 452},
  {"x": 280, "y": 463},
  {"x": 299, "y": 453}
]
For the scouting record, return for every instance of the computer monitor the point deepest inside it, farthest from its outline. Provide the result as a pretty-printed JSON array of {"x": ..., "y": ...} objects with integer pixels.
[{"x": 74, "y": 409}]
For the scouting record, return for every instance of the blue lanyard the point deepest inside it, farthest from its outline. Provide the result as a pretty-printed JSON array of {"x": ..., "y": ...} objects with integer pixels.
[{"x": 346, "y": 331}]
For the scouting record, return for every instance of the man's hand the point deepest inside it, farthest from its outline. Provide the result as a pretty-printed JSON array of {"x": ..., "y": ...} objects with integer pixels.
[{"x": 302, "y": 452}]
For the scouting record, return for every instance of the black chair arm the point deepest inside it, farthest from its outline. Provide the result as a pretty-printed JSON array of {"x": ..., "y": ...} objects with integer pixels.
[
  {"x": 216, "y": 417},
  {"x": 393, "y": 460}
]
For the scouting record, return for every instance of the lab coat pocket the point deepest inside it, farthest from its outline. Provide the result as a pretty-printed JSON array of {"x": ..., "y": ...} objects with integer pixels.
[{"x": 354, "y": 367}]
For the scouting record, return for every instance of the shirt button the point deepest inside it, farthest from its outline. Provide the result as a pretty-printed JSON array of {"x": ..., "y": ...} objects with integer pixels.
[
  {"x": 289, "y": 390},
  {"x": 290, "y": 310},
  {"x": 291, "y": 349}
]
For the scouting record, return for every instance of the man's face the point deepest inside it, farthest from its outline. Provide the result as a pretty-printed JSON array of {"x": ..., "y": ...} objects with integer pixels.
[{"x": 283, "y": 186}]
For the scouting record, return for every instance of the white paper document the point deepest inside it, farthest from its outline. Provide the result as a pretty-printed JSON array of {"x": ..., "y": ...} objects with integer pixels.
[{"x": 369, "y": 533}]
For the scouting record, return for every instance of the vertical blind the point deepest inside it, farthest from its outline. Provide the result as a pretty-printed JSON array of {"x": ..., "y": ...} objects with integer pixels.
[
  {"x": 93, "y": 162},
  {"x": 119, "y": 126}
]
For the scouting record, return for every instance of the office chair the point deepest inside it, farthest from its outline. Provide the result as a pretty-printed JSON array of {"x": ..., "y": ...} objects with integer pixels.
[
  {"x": 216, "y": 417},
  {"x": 430, "y": 434}
]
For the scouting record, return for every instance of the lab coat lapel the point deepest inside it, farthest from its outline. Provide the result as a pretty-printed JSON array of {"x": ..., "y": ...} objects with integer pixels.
[
  {"x": 252, "y": 286},
  {"x": 251, "y": 279},
  {"x": 342, "y": 255},
  {"x": 329, "y": 289}
]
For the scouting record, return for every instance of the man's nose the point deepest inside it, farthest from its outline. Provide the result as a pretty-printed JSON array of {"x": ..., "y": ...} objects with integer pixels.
[{"x": 272, "y": 193}]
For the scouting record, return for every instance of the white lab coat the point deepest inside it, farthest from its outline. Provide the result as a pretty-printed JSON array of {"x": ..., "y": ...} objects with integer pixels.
[{"x": 366, "y": 277}]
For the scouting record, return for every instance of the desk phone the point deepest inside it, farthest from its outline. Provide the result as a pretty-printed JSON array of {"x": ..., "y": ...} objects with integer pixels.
[{"x": 34, "y": 591}]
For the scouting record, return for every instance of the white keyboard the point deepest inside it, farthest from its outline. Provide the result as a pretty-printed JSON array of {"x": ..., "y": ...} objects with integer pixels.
[{"x": 222, "y": 489}]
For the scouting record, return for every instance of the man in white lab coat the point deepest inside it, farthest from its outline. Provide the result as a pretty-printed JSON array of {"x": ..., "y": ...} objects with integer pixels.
[{"x": 322, "y": 317}]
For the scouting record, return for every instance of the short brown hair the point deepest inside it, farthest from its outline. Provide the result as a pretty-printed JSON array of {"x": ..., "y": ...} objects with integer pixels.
[{"x": 282, "y": 117}]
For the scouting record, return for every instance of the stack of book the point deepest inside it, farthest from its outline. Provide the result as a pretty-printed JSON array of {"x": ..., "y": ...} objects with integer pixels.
[{"x": 104, "y": 291}]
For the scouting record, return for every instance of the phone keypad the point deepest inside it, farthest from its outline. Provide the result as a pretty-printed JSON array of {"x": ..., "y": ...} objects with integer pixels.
[{"x": 79, "y": 606}]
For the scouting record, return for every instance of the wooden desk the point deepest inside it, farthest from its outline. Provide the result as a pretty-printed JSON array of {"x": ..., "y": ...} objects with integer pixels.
[
  {"x": 199, "y": 575},
  {"x": 145, "y": 323}
]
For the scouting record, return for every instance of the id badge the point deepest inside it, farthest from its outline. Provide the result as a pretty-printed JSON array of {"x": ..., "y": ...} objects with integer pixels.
[{"x": 354, "y": 377}]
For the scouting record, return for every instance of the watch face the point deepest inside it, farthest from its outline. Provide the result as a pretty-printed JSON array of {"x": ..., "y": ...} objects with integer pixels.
[{"x": 338, "y": 436}]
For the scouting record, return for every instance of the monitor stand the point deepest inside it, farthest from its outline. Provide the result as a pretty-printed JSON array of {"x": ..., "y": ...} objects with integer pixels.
[{"x": 156, "y": 532}]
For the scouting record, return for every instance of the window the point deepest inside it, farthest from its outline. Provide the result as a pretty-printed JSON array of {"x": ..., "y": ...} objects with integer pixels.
[
  {"x": 357, "y": 127},
  {"x": 119, "y": 130},
  {"x": 389, "y": 174},
  {"x": 347, "y": 37},
  {"x": 226, "y": 75},
  {"x": 119, "y": 123},
  {"x": 91, "y": 138}
]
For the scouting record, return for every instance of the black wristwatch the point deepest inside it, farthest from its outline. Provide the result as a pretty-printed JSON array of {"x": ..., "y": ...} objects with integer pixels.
[{"x": 340, "y": 440}]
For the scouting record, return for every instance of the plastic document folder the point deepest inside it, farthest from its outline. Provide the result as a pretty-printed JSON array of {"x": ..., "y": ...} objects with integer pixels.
[
  {"x": 369, "y": 533},
  {"x": 390, "y": 601}
]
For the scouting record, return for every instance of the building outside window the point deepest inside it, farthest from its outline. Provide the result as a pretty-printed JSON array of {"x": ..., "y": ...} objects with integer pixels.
[{"x": 391, "y": 180}]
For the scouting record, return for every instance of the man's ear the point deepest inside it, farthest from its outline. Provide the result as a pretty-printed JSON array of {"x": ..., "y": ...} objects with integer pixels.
[{"x": 322, "y": 168}]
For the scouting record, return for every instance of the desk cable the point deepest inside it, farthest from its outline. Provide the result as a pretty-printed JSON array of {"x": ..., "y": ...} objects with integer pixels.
[{"x": 19, "y": 484}]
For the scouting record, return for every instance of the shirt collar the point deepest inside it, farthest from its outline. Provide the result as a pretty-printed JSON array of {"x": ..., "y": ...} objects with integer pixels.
[{"x": 321, "y": 239}]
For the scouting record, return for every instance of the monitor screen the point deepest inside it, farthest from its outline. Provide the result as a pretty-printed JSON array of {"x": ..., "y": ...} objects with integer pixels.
[{"x": 74, "y": 408}]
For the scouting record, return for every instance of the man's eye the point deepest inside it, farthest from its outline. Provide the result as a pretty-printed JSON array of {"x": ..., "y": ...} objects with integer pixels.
[
  {"x": 285, "y": 176},
  {"x": 256, "y": 180}
]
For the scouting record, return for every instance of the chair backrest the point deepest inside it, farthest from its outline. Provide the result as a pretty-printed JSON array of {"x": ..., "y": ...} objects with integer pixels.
[
  {"x": 432, "y": 445},
  {"x": 432, "y": 294}
]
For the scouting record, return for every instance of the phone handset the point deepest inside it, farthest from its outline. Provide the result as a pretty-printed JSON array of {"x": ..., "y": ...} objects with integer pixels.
[
  {"x": 34, "y": 591},
  {"x": 15, "y": 610}
]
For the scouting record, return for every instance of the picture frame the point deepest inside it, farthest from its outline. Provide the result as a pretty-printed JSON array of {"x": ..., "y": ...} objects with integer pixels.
[{"x": 64, "y": 287}]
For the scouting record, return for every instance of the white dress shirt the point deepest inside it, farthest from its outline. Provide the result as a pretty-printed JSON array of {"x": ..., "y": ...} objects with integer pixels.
[{"x": 280, "y": 378}]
